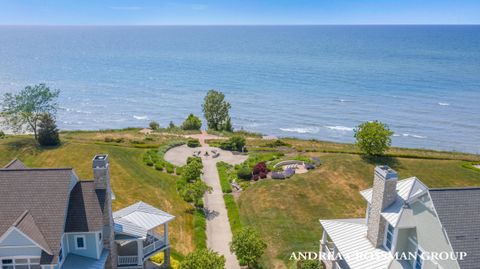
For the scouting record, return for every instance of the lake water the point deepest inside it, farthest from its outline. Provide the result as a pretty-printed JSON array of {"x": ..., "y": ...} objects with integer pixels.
[{"x": 303, "y": 81}]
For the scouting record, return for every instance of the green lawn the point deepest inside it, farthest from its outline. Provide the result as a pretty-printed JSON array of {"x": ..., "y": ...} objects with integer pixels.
[
  {"x": 131, "y": 179},
  {"x": 287, "y": 212}
]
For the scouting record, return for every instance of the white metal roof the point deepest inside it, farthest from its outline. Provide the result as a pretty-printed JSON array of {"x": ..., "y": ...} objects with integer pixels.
[
  {"x": 407, "y": 190},
  {"x": 350, "y": 238},
  {"x": 139, "y": 218}
]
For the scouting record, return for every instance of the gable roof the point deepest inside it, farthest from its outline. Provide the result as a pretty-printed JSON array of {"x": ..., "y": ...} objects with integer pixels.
[
  {"x": 44, "y": 194},
  {"x": 15, "y": 164},
  {"x": 139, "y": 218},
  {"x": 85, "y": 209},
  {"x": 459, "y": 213},
  {"x": 26, "y": 224},
  {"x": 407, "y": 189}
]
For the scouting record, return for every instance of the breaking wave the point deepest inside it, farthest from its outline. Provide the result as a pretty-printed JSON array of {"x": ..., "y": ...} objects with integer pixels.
[{"x": 304, "y": 130}]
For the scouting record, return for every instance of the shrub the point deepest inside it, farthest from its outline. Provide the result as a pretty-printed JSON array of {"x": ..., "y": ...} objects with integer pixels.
[
  {"x": 309, "y": 264},
  {"x": 154, "y": 125},
  {"x": 193, "y": 143},
  {"x": 119, "y": 140},
  {"x": 2, "y": 135},
  {"x": 170, "y": 168},
  {"x": 192, "y": 122},
  {"x": 223, "y": 169},
  {"x": 234, "y": 143},
  {"x": 203, "y": 258},
  {"x": 149, "y": 163},
  {"x": 179, "y": 171},
  {"x": 260, "y": 170},
  {"x": 171, "y": 125},
  {"x": 47, "y": 131},
  {"x": 108, "y": 139},
  {"x": 199, "y": 229},
  {"x": 193, "y": 169},
  {"x": 244, "y": 173},
  {"x": 160, "y": 257},
  {"x": 248, "y": 246},
  {"x": 277, "y": 143},
  {"x": 159, "y": 166}
]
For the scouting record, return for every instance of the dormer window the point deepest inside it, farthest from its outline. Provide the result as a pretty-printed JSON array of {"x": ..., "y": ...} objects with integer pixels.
[{"x": 389, "y": 237}]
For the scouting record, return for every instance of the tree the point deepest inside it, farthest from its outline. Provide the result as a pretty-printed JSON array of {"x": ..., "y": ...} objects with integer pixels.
[
  {"x": 2, "y": 135},
  {"x": 203, "y": 259},
  {"x": 215, "y": 110},
  {"x": 22, "y": 111},
  {"x": 373, "y": 138},
  {"x": 154, "y": 125},
  {"x": 192, "y": 122},
  {"x": 234, "y": 143},
  {"x": 248, "y": 246},
  {"x": 48, "y": 131},
  {"x": 193, "y": 192},
  {"x": 192, "y": 170}
]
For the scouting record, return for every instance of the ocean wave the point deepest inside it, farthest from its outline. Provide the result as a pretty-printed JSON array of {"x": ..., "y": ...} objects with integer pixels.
[
  {"x": 412, "y": 135},
  {"x": 443, "y": 104},
  {"x": 140, "y": 117},
  {"x": 340, "y": 128},
  {"x": 301, "y": 130}
]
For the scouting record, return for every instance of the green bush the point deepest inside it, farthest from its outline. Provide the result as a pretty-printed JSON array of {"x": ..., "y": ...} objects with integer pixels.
[
  {"x": 199, "y": 229},
  {"x": 170, "y": 168},
  {"x": 2, "y": 135},
  {"x": 277, "y": 143},
  {"x": 192, "y": 122},
  {"x": 193, "y": 143},
  {"x": 244, "y": 173},
  {"x": 154, "y": 125},
  {"x": 159, "y": 166},
  {"x": 149, "y": 163},
  {"x": 179, "y": 170},
  {"x": 223, "y": 168},
  {"x": 108, "y": 139},
  {"x": 233, "y": 213},
  {"x": 234, "y": 143}
]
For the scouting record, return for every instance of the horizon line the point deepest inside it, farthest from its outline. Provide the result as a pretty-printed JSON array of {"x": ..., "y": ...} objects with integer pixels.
[{"x": 293, "y": 24}]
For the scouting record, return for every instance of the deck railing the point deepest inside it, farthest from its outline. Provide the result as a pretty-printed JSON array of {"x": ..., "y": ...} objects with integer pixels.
[
  {"x": 127, "y": 260},
  {"x": 155, "y": 246}
]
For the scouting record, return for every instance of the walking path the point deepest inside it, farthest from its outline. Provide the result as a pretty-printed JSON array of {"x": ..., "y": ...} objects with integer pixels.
[{"x": 219, "y": 233}]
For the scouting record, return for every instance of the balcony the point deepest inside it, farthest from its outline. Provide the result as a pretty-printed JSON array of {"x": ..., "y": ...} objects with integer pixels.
[{"x": 135, "y": 252}]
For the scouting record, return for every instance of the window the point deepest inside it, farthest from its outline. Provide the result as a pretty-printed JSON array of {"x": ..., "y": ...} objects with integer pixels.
[
  {"x": 99, "y": 236},
  {"x": 80, "y": 242},
  {"x": 419, "y": 259},
  {"x": 23, "y": 263},
  {"x": 60, "y": 255},
  {"x": 389, "y": 237}
]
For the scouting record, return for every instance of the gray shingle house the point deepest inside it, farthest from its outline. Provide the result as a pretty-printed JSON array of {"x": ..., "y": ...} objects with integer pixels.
[
  {"x": 407, "y": 226},
  {"x": 50, "y": 219}
]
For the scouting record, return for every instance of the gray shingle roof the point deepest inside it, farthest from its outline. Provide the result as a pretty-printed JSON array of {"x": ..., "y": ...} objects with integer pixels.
[
  {"x": 459, "y": 212},
  {"x": 44, "y": 194},
  {"x": 27, "y": 225},
  {"x": 85, "y": 210},
  {"x": 15, "y": 164}
]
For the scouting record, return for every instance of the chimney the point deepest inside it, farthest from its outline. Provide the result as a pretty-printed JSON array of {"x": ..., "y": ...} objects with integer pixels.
[
  {"x": 384, "y": 193},
  {"x": 101, "y": 175}
]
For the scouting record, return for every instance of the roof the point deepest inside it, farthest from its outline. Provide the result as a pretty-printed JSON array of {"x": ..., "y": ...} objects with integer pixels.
[
  {"x": 74, "y": 261},
  {"x": 44, "y": 194},
  {"x": 15, "y": 164},
  {"x": 139, "y": 218},
  {"x": 462, "y": 226},
  {"x": 26, "y": 224},
  {"x": 350, "y": 237},
  {"x": 407, "y": 190},
  {"x": 85, "y": 209}
]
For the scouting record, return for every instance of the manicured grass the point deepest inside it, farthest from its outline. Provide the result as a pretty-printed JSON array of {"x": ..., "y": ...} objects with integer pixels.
[
  {"x": 223, "y": 168},
  {"x": 233, "y": 213},
  {"x": 199, "y": 229},
  {"x": 132, "y": 180},
  {"x": 287, "y": 212}
]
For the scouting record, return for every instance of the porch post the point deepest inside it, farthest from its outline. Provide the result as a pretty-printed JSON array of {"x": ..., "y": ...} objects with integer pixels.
[
  {"x": 140, "y": 252},
  {"x": 324, "y": 237},
  {"x": 165, "y": 233}
]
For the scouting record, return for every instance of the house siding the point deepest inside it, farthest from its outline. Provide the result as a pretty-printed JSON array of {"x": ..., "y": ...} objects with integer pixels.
[
  {"x": 430, "y": 234},
  {"x": 10, "y": 246},
  {"x": 90, "y": 241}
]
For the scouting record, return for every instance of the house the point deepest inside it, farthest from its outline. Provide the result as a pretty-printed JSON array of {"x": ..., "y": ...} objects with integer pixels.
[
  {"x": 49, "y": 219},
  {"x": 407, "y": 226}
]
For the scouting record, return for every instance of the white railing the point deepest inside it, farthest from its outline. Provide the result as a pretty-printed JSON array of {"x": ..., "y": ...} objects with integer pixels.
[
  {"x": 127, "y": 260},
  {"x": 157, "y": 245},
  {"x": 326, "y": 254}
]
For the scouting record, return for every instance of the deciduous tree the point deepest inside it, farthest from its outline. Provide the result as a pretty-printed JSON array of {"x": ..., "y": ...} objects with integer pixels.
[
  {"x": 373, "y": 138},
  {"x": 216, "y": 111}
]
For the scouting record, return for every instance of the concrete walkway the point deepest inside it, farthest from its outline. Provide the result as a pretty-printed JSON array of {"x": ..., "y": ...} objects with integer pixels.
[{"x": 219, "y": 234}]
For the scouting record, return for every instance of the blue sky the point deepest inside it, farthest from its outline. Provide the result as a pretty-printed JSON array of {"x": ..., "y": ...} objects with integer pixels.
[{"x": 195, "y": 12}]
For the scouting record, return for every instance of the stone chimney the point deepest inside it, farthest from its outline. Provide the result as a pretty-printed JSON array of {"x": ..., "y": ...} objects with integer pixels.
[
  {"x": 384, "y": 193},
  {"x": 101, "y": 175}
]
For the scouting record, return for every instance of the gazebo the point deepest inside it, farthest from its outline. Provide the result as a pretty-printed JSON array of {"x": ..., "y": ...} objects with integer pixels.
[{"x": 141, "y": 230}]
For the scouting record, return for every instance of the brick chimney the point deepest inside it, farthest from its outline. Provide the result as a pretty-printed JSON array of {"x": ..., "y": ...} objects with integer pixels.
[
  {"x": 384, "y": 194},
  {"x": 101, "y": 175}
]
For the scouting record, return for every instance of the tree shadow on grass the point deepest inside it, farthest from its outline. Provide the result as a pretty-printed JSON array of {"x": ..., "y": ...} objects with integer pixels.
[{"x": 382, "y": 160}]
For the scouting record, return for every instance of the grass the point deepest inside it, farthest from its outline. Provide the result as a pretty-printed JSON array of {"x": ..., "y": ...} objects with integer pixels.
[
  {"x": 223, "y": 172},
  {"x": 233, "y": 213},
  {"x": 199, "y": 229},
  {"x": 132, "y": 180},
  {"x": 287, "y": 213}
]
